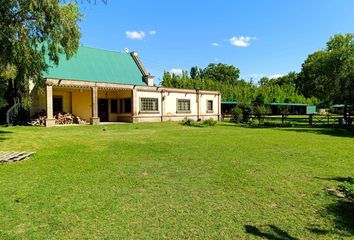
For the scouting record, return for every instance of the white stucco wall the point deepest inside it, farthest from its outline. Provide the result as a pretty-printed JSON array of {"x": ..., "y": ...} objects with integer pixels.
[{"x": 167, "y": 108}]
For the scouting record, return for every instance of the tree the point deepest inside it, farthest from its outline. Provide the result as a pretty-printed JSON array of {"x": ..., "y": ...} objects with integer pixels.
[
  {"x": 289, "y": 79},
  {"x": 31, "y": 32},
  {"x": 196, "y": 72},
  {"x": 259, "y": 111},
  {"x": 239, "y": 90},
  {"x": 222, "y": 73},
  {"x": 264, "y": 81},
  {"x": 329, "y": 74}
]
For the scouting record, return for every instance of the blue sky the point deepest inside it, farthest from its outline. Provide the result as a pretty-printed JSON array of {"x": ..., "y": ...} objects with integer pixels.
[{"x": 261, "y": 37}]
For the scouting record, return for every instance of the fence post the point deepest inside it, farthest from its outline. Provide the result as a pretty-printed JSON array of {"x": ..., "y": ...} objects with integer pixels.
[{"x": 310, "y": 119}]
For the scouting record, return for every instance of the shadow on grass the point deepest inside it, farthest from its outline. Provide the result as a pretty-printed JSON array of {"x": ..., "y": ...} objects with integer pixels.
[
  {"x": 335, "y": 132},
  {"x": 338, "y": 179},
  {"x": 343, "y": 213},
  {"x": 2, "y": 135},
  {"x": 318, "y": 231},
  {"x": 269, "y": 232}
]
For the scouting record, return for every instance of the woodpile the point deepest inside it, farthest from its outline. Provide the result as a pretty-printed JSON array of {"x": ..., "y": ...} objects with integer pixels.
[
  {"x": 61, "y": 118},
  {"x": 39, "y": 118}
]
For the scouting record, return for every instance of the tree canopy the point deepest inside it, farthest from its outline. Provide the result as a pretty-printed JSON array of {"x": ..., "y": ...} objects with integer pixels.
[
  {"x": 32, "y": 31},
  {"x": 221, "y": 72},
  {"x": 271, "y": 90},
  {"x": 328, "y": 74}
]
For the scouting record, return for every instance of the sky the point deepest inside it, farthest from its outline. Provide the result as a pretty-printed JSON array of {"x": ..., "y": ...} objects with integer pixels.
[{"x": 260, "y": 37}]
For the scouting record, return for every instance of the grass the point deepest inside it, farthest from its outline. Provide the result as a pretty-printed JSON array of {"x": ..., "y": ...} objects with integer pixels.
[{"x": 168, "y": 181}]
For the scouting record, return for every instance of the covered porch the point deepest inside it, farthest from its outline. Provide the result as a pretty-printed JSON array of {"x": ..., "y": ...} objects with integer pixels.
[{"x": 91, "y": 102}]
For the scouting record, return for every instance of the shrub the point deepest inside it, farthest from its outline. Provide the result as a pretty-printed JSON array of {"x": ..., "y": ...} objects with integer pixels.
[
  {"x": 246, "y": 112},
  {"x": 192, "y": 123},
  {"x": 259, "y": 111},
  {"x": 210, "y": 122},
  {"x": 348, "y": 188},
  {"x": 188, "y": 122},
  {"x": 274, "y": 124},
  {"x": 237, "y": 115}
]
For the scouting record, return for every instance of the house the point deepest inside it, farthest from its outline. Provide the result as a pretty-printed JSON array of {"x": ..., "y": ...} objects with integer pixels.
[{"x": 106, "y": 86}]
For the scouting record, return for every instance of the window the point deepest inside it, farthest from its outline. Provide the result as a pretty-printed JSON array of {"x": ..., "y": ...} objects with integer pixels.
[
  {"x": 114, "y": 105},
  {"x": 210, "y": 106},
  {"x": 183, "y": 105},
  {"x": 149, "y": 104},
  {"x": 57, "y": 103},
  {"x": 125, "y": 105}
]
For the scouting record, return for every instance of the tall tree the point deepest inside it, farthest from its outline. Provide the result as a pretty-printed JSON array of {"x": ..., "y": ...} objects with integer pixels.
[
  {"x": 222, "y": 72},
  {"x": 240, "y": 90},
  {"x": 31, "y": 32},
  {"x": 328, "y": 74},
  {"x": 195, "y": 73}
]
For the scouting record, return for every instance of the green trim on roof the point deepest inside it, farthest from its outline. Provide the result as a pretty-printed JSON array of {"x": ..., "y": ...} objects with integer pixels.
[
  {"x": 287, "y": 104},
  {"x": 229, "y": 102},
  {"x": 97, "y": 65},
  {"x": 341, "y": 106},
  {"x": 271, "y": 104}
]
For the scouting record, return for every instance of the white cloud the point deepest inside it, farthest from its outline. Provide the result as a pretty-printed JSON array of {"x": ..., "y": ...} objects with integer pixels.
[
  {"x": 276, "y": 76},
  {"x": 135, "y": 35},
  {"x": 176, "y": 71},
  {"x": 215, "y": 44},
  {"x": 241, "y": 41},
  {"x": 152, "y": 32}
]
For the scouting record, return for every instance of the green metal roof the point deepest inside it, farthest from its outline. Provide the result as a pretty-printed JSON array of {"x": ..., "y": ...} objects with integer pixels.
[
  {"x": 341, "y": 105},
  {"x": 288, "y": 104},
  {"x": 97, "y": 65},
  {"x": 229, "y": 102}
]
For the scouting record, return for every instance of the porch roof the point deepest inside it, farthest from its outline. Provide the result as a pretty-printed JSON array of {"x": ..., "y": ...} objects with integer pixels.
[{"x": 97, "y": 65}]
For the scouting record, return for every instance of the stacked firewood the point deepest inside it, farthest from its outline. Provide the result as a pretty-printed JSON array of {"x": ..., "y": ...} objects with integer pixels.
[
  {"x": 61, "y": 118},
  {"x": 39, "y": 118}
]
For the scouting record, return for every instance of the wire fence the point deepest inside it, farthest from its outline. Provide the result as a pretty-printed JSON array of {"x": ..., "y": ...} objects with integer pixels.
[{"x": 313, "y": 120}]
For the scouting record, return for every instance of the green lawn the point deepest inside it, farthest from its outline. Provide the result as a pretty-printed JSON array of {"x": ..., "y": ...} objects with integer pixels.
[{"x": 155, "y": 181}]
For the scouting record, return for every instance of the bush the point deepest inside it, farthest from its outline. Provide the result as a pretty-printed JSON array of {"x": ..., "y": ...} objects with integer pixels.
[
  {"x": 210, "y": 122},
  {"x": 188, "y": 122},
  {"x": 192, "y": 123},
  {"x": 259, "y": 111},
  {"x": 246, "y": 112},
  {"x": 348, "y": 188},
  {"x": 274, "y": 124},
  {"x": 237, "y": 115}
]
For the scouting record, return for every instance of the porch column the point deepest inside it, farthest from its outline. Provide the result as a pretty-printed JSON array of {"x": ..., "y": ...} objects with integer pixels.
[
  {"x": 134, "y": 105},
  {"x": 219, "y": 107},
  {"x": 198, "y": 104},
  {"x": 50, "y": 121},
  {"x": 94, "y": 120}
]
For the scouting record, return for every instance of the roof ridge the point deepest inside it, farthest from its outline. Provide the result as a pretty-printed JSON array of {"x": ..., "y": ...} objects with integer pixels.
[{"x": 102, "y": 49}]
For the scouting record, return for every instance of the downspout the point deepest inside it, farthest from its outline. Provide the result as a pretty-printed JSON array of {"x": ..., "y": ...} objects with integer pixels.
[
  {"x": 162, "y": 103},
  {"x": 198, "y": 113},
  {"x": 219, "y": 107}
]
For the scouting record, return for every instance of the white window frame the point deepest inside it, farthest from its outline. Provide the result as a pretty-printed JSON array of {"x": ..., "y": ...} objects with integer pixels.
[
  {"x": 155, "y": 106},
  {"x": 212, "y": 106},
  {"x": 187, "y": 103}
]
